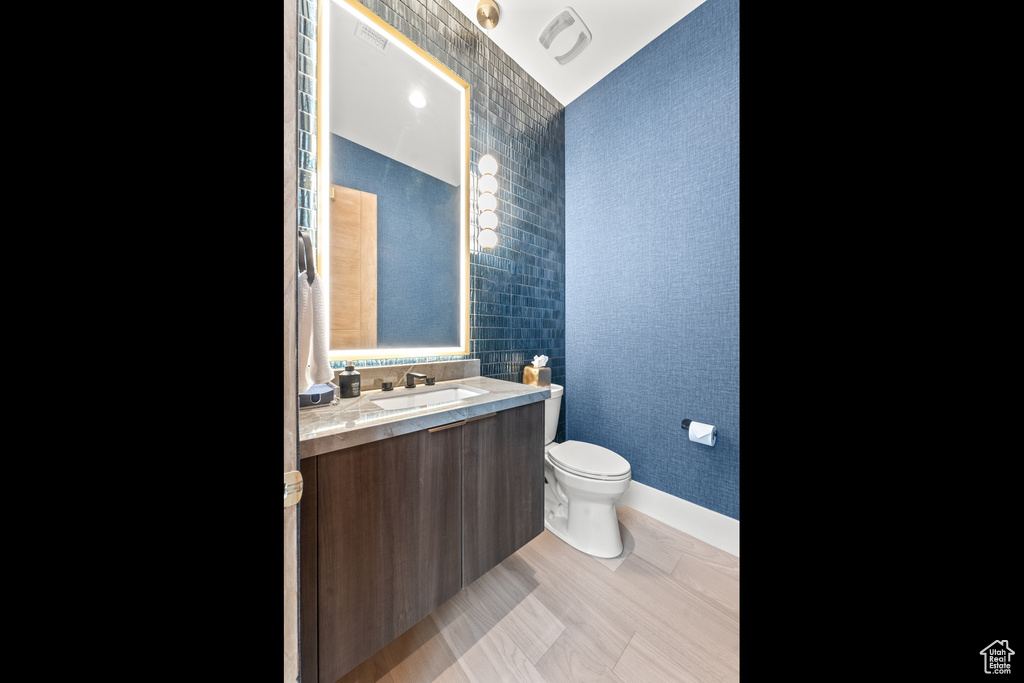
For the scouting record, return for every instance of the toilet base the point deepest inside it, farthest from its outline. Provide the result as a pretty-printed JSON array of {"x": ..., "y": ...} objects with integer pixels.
[{"x": 602, "y": 539}]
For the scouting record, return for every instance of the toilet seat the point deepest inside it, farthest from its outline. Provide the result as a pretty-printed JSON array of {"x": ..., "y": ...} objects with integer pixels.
[{"x": 589, "y": 460}]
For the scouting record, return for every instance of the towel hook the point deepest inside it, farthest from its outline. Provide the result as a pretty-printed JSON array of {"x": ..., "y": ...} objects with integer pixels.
[{"x": 306, "y": 251}]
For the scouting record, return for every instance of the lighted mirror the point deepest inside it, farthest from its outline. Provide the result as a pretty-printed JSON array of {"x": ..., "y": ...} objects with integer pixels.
[{"x": 393, "y": 204}]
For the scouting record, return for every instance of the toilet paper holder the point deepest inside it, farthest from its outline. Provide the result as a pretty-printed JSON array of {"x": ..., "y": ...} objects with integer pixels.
[{"x": 714, "y": 431}]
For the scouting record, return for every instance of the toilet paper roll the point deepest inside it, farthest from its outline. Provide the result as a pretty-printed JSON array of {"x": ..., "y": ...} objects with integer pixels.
[{"x": 702, "y": 433}]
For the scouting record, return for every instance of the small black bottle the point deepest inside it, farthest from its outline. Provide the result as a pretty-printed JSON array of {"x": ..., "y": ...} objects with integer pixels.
[{"x": 349, "y": 381}]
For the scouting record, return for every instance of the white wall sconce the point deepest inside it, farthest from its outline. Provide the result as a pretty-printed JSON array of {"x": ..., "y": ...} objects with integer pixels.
[
  {"x": 488, "y": 220},
  {"x": 488, "y": 202},
  {"x": 488, "y": 184},
  {"x": 488, "y": 165},
  {"x": 488, "y": 239}
]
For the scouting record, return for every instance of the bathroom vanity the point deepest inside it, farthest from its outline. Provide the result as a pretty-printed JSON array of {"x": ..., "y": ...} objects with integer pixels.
[{"x": 403, "y": 507}]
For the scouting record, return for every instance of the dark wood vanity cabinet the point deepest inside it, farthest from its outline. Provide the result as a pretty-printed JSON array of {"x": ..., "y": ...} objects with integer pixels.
[
  {"x": 503, "y": 486},
  {"x": 391, "y": 529},
  {"x": 387, "y": 549}
]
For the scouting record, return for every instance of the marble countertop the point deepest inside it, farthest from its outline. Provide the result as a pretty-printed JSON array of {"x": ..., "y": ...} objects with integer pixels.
[{"x": 353, "y": 421}]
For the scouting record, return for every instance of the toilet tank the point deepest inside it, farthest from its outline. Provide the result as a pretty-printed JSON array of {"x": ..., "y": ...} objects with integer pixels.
[{"x": 551, "y": 408}]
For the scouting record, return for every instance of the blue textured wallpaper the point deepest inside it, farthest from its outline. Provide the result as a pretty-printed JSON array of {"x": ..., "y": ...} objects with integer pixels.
[
  {"x": 652, "y": 259},
  {"x": 418, "y": 222}
]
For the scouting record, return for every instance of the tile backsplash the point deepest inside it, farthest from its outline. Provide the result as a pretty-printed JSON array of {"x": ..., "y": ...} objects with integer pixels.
[{"x": 370, "y": 376}]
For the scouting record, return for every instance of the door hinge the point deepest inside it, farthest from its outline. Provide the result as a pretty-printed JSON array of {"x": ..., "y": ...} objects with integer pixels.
[{"x": 292, "y": 487}]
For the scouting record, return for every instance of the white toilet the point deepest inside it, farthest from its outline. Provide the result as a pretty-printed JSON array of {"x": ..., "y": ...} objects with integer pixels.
[{"x": 583, "y": 483}]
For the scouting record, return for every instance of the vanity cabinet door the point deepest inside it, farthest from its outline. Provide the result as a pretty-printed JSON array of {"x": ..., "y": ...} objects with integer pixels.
[
  {"x": 307, "y": 571},
  {"x": 389, "y": 521},
  {"x": 503, "y": 486}
]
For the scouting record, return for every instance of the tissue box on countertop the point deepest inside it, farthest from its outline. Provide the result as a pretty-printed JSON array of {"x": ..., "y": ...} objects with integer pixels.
[
  {"x": 538, "y": 377},
  {"x": 537, "y": 374}
]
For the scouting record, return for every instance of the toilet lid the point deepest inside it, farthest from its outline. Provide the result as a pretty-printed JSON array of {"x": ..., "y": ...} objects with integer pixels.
[{"x": 589, "y": 460}]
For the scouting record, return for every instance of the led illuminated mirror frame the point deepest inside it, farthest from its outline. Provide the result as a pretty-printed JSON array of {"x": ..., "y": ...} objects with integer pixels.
[{"x": 393, "y": 187}]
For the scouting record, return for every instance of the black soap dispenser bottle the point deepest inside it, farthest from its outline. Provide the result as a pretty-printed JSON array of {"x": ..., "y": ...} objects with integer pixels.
[{"x": 349, "y": 381}]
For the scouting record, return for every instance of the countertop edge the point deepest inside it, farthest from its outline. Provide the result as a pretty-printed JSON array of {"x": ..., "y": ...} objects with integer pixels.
[{"x": 386, "y": 428}]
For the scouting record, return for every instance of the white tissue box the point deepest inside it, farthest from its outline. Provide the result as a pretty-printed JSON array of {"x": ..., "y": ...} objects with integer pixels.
[{"x": 538, "y": 377}]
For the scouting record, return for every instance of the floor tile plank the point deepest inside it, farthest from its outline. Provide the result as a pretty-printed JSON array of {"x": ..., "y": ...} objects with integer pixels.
[
  {"x": 590, "y": 624},
  {"x": 574, "y": 659},
  {"x": 644, "y": 663},
  {"x": 696, "y": 633},
  {"x": 529, "y": 623},
  {"x": 653, "y": 540},
  {"x": 665, "y": 610},
  {"x": 484, "y": 649},
  {"x": 718, "y": 578}
]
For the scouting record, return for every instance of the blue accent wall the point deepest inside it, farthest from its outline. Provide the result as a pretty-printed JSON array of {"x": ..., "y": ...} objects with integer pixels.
[
  {"x": 652, "y": 259},
  {"x": 418, "y": 223}
]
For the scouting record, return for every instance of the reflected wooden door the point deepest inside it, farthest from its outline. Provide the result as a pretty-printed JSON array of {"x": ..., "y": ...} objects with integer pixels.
[{"x": 353, "y": 269}]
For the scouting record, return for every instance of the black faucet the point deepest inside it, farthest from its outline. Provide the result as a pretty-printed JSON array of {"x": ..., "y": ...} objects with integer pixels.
[{"x": 410, "y": 379}]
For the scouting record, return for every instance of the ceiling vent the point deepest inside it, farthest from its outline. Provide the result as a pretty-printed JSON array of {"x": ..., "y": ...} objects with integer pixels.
[
  {"x": 374, "y": 38},
  {"x": 565, "y": 36}
]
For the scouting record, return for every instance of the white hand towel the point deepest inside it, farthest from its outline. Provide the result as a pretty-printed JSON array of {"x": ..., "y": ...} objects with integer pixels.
[
  {"x": 304, "y": 314},
  {"x": 319, "y": 365}
]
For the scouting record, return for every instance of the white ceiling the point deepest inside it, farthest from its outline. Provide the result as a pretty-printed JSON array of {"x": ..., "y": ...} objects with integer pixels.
[
  {"x": 363, "y": 110},
  {"x": 618, "y": 28},
  {"x": 368, "y": 100}
]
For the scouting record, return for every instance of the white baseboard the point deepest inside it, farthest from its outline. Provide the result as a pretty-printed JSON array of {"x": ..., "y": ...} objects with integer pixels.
[{"x": 707, "y": 525}]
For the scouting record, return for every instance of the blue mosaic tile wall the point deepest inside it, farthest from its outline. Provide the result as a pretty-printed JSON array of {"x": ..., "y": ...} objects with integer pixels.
[
  {"x": 517, "y": 289},
  {"x": 306, "y": 114}
]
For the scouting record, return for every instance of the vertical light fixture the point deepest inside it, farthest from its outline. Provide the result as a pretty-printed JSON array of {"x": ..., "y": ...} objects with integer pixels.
[
  {"x": 488, "y": 202},
  {"x": 487, "y": 16}
]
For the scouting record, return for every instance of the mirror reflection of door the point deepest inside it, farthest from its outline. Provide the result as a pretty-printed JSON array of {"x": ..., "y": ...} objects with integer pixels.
[{"x": 353, "y": 269}]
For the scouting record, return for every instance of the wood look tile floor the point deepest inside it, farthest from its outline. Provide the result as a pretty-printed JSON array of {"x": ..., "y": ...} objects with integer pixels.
[{"x": 665, "y": 610}]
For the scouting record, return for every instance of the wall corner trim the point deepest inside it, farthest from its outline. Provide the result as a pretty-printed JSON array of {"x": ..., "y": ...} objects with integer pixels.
[{"x": 707, "y": 525}]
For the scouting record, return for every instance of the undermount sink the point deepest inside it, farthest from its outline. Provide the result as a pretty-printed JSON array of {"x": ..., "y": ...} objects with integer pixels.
[{"x": 421, "y": 397}]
